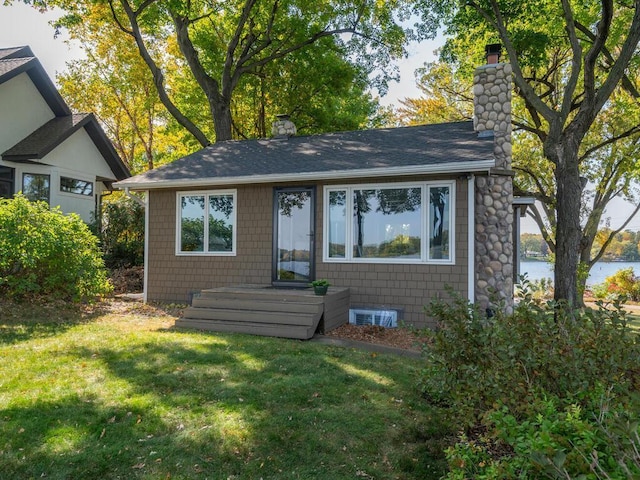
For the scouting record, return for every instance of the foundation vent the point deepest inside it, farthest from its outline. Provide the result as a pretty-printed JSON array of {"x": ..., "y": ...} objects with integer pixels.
[{"x": 382, "y": 318}]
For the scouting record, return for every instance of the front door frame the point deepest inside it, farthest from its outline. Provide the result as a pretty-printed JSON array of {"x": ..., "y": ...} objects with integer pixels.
[{"x": 312, "y": 238}]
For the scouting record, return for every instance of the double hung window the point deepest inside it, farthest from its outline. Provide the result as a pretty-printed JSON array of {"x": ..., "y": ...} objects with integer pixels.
[{"x": 206, "y": 223}]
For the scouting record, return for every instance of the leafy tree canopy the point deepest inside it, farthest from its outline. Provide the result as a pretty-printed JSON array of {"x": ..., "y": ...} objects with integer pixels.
[
  {"x": 575, "y": 70},
  {"x": 202, "y": 56}
]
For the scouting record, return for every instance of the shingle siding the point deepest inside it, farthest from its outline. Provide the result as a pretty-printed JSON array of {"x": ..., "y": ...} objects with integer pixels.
[{"x": 407, "y": 288}]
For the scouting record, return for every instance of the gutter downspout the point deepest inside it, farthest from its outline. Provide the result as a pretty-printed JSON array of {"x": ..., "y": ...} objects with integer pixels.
[
  {"x": 145, "y": 205},
  {"x": 471, "y": 231}
]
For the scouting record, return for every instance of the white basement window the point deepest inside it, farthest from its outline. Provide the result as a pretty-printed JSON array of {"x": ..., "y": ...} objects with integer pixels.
[{"x": 206, "y": 223}]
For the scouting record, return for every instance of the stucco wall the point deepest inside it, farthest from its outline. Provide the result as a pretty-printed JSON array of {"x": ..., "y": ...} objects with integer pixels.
[
  {"x": 405, "y": 287},
  {"x": 79, "y": 154},
  {"x": 22, "y": 110}
]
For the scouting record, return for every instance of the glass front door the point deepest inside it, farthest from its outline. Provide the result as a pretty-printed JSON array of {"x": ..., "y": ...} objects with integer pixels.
[{"x": 293, "y": 236}]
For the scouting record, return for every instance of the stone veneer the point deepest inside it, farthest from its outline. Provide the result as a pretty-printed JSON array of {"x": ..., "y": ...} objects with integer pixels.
[
  {"x": 494, "y": 192},
  {"x": 283, "y": 127}
]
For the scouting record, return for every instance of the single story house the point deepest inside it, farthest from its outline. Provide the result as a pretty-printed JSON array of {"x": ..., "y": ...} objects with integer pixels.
[
  {"x": 48, "y": 152},
  {"x": 393, "y": 215}
]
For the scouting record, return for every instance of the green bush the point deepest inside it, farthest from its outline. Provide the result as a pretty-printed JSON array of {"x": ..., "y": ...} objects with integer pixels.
[
  {"x": 43, "y": 251},
  {"x": 539, "y": 375},
  {"x": 122, "y": 233},
  {"x": 552, "y": 442},
  {"x": 622, "y": 284}
]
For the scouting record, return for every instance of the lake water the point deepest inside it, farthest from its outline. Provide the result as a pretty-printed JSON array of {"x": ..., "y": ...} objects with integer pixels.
[{"x": 598, "y": 273}]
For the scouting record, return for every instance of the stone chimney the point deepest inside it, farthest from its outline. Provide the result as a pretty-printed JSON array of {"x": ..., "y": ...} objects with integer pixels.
[
  {"x": 494, "y": 192},
  {"x": 283, "y": 127}
]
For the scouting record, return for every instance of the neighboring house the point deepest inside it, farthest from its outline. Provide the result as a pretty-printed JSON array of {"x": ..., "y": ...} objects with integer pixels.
[
  {"x": 46, "y": 151},
  {"x": 394, "y": 214}
]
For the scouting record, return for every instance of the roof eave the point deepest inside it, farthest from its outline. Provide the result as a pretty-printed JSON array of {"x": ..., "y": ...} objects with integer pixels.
[
  {"x": 48, "y": 147},
  {"x": 106, "y": 149},
  {"x": 442, "y": 168}
]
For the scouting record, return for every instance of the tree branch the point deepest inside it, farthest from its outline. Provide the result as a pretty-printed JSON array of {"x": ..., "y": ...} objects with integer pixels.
[
  {"x": 613, "y": 233},
  {"x": 541, "y": 194},
  {"x": 576, "y": 62},
  {"x": 158, "y": 76},
  {"x": 535, "y": 214},
  {"x": 627, "y": 84},
  {"x": 526, "y": 90},
  {"x": 626, "y": 134},
  {"x": 603, "y": 29},
  {"x": 208, "y": 84},
  {"x": 620, "y": 65}
]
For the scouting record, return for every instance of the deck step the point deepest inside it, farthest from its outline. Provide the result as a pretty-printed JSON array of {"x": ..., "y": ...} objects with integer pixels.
[
  {"x": 272, "y": 295},
  {"x": 258, "y": 304},
  {"x": 260, "y": 310},
  {"x": 263, "y": 329},
  {"x": 253, "y": 316}
]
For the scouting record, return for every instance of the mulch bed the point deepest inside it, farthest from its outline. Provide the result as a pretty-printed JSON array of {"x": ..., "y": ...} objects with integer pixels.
[{"x": 392, "y": 337}]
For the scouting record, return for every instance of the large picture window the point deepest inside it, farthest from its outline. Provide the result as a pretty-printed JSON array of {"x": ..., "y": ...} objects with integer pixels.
[
  {"x": 206, "y": 223},
  {"x": 390, "y": 223},
  {"x": 36, "y": 187}
]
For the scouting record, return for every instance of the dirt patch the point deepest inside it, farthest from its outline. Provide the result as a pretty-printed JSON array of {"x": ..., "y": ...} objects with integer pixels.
[{"x": 404, "y": 338}]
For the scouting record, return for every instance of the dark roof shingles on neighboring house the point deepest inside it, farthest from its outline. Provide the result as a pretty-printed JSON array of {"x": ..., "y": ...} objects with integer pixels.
[
  {"x": 332, "y": 153},
  {"x": 46, "y": 138},
  {"x": 16, "y": 52}
]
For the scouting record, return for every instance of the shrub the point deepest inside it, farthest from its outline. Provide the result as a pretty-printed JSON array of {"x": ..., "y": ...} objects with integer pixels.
[
  {"x": 622, "y": 284},
  {"x": 553, "y": 442},
  {"x": 43, "y": 251},
  {"x": 539, "y": 290},
  {"x": 122, "y": 233},
  {"x": 540, "y": 375}
]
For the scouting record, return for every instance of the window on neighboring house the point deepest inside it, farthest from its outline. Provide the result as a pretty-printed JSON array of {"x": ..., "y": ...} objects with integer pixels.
[
  {"x": 73, "y": 185},
  {"x": 36, "y": 186},
  {"x": 389, "y": 223},
  {"x": 7, "y": 182},
  {"x": 206, "y": 223}
]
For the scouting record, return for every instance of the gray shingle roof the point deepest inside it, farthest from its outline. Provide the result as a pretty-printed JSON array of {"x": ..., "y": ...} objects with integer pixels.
[
  {"x": 10, "y": 65},
  {"x": 438, "y": 148},
  {"x": 37, "y": 145},
  {"x": 15, "y": 52},
  {"x": 46, "y": 138}
]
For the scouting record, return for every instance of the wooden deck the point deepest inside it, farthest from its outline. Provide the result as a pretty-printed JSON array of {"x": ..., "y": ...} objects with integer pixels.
[{"x": 267, "y": 311}]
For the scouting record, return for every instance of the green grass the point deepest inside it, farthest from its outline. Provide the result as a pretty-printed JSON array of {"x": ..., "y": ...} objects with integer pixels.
[
  {"x": 122, "y": 395},
  {"x": 634, "y": 321}
]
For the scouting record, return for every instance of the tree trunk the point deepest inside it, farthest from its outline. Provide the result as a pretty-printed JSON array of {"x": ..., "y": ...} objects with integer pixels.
[
  {"x": 568, "y": 230},
  {"x": 221, "y": 112}
]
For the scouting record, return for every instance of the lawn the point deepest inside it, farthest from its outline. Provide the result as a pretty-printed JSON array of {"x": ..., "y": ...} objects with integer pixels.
[{"x": 120, "y": 394}]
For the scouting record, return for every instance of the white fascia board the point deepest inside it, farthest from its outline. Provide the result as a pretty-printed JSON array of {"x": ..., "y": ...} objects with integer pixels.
[{"x": 442, "y": 168}]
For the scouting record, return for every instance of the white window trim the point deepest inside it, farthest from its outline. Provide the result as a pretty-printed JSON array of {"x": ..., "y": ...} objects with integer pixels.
[
  {"x": 424, "y": 244},
  {"x": 206, "y": 193}
]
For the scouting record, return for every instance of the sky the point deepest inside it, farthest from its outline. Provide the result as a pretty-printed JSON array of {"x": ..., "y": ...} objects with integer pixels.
[{"x": 23, "y": 25}]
